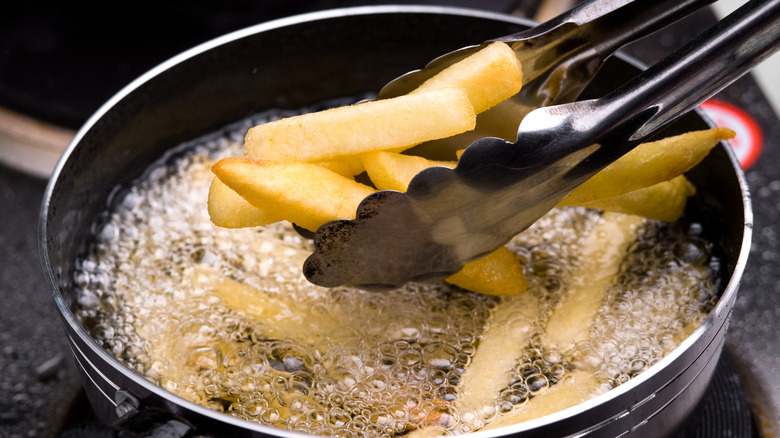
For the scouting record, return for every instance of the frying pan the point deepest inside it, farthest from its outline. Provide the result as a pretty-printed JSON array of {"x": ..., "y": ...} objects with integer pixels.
[{"x": 294, "y": 62}]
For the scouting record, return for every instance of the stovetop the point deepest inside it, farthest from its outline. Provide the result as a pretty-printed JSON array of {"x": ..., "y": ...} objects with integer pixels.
[{"x": 55, "y": 66}]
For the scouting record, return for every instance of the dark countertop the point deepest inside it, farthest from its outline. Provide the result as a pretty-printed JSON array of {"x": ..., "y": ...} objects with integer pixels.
[{"x": 39, "y": 379}]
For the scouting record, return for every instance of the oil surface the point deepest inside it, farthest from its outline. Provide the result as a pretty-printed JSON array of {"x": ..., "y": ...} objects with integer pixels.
[{"x": 154, "y": 289}]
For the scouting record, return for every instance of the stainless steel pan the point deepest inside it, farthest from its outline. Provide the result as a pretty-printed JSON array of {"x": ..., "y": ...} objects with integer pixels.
[{"x": 297, "y": 61}]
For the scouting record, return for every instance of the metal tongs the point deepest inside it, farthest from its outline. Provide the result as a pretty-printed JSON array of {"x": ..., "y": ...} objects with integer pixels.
[
  {"x": 448, "y": 217},
  {"x": 559, "y": 58}
]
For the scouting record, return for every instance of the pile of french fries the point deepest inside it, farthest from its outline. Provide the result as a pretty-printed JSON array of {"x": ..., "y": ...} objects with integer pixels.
[{"x": 302, "y": 169}]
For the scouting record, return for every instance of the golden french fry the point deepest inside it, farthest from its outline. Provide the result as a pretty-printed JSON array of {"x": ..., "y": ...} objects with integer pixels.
[
  {"x": 489, "y": 76},
  {"x": 228, "y": 209},
  {"x": 664, "y": 201},
  {"x": 573, "y": 389},
  {"x": 400, "y": 122},
  {"x": 510, "y": 328},
  {"x": 498, "y": 273},
  {"x": 648, "y": 164},
  {"x": 303, "y": 193},
  {"x": 345, "y": 166},
  {"x": 394, "y": 171},
  {"x": 570, "y": 322},
  {"x": 279, "y": 318}
]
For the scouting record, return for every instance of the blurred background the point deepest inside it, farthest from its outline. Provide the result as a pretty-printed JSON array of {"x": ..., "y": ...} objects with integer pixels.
[{"x": 59, "y": 61}]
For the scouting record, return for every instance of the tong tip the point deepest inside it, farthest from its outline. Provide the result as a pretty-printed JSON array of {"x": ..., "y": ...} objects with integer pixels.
[{"x": 386, "y": 246}]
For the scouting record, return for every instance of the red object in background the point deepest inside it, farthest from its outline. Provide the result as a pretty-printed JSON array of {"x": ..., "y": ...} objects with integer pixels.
[{"x": 749, "y": 140}]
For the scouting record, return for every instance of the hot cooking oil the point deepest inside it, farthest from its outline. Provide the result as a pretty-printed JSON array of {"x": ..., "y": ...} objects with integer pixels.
[{"x": 224, "y": 317}]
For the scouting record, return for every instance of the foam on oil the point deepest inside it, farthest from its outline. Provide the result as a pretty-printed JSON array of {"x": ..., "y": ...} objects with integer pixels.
[{"x": 356, "y": 363}]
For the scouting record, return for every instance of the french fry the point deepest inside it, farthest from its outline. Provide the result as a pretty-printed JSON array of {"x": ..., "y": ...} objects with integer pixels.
[
  {"x": 490, "y": 76},
  {"x": 400, "y": 122},
  {"x": 344, "y": 166},
  {"x": 648, "y": 164},
  {"x": 394, "y": 171},
  {"x": 573, "y": 389},
  {"x": 510, "y": 328},
  {"x": 498, "y": 273},
  {"x": 228, "y": 209},
  {"x": 571, "y": 321},
  {"x": 664, "y": 201},
  {"x": 279, "y": 319},
  {"x": 303, "y": 193}
]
